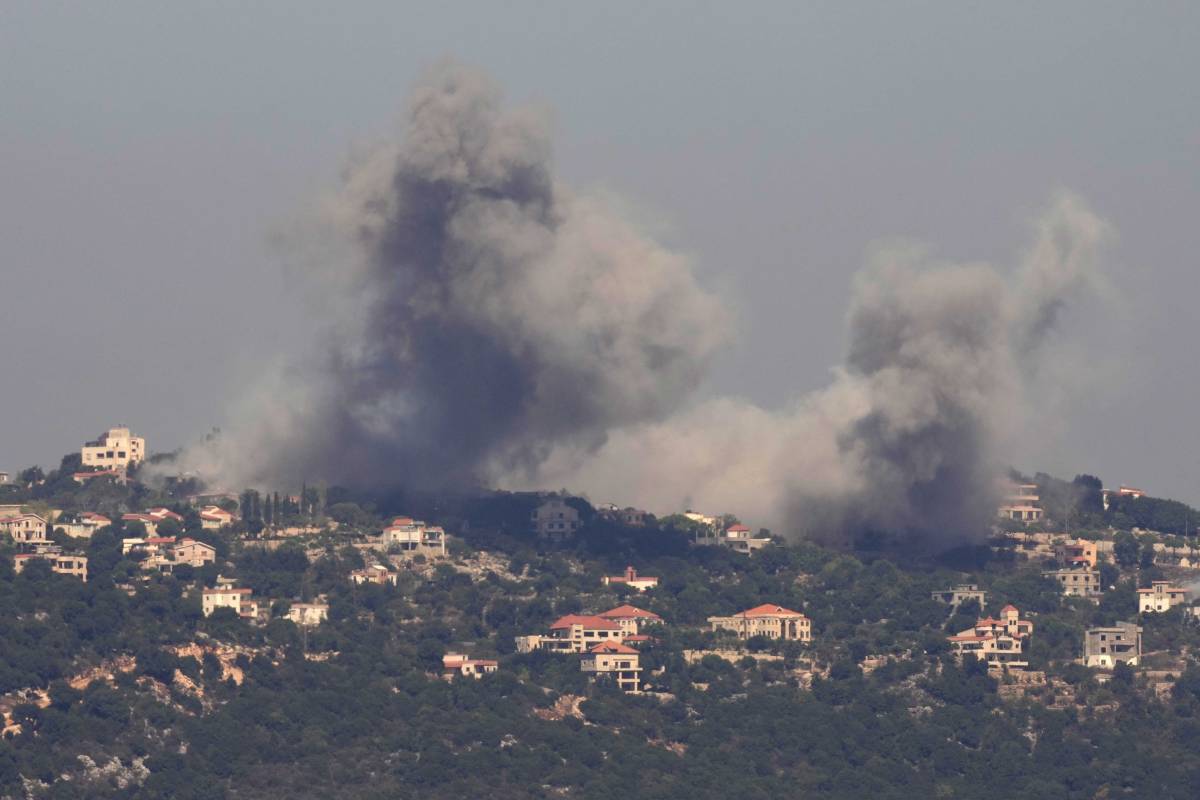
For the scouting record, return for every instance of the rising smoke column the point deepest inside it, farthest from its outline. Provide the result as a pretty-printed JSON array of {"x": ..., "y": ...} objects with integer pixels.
[
  {"x": 493, "y": 314},
  {"x": 919, "y": 422}
]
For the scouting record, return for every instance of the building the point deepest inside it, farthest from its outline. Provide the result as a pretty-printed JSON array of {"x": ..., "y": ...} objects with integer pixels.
[
  {"x": 1077, "y": 553},
  {"x": 1107, "y": 647},
  {"x": 616, "y": 661},
  {"x": 375, "y": 574},
  {"x": 115, "y": 448},
  {"x": 961, "y": 593},
  {"x": 574, "y": 633},
  {"x": 629, "y": 516},
  {"x": 631, "y": 579},
  {"x": 117, "y": 475},
  {"x": 701, "y": 519},
  {"x": 226, "y": 596},
  {"x": 24, "y": 528},
  {"x": 5, "y": 478},
  {"x": 555, "y": 519},
  {"x": 62, "y": 563},
  {"x": 87, "y": 524},
  {"x": 308, "y": 614},
  {"x": 152, "y": 518},
  {"x": 1021, "y": 503},
  {"x": 413, "y": 537},
  {"x": 737, "y": 538},
  {"x": 214, "y": 518},
  {"x": 454, "y": 664},
  {"x": 772, "y": 621},
  {"x": 1161, "y": 596},
  {"x": 999, "y": 642},
  {"x": 193, "y": 553},
  {"x": 1123, "y": 491},
  {"x": 631, "y": 619},
  {"x": 1077, "y": 581}
]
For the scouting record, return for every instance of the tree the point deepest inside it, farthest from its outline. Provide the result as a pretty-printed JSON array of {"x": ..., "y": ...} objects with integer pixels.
[{"x": 1125, "y": 549}]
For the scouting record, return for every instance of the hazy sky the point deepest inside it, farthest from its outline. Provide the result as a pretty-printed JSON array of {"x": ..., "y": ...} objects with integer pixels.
[{"x": 148, "y": 153}]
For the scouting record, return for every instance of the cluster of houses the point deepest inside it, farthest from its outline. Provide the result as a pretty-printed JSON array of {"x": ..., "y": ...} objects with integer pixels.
[
  {"x": 240, "y": 600},
  {"x": 606, "y": 641}
]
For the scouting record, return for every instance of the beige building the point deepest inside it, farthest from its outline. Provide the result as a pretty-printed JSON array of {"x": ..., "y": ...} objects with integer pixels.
[
  {"x": 1077, "y": 553},
  {"x": 62, "y": 563},
  {"x": 193, "y": 553},
  {"x": 414, "y": 537},
  {"x": 375, "y": 574},
  {"x": 1118, "y": 644},
  {"x": 454, "y": 664},
  {"x": 24, "y": 528},
  {"x": 738, "y": 538},
  {"x": 214, "y": 518},
  {"x": 308, "y": 614},
  {"x": 619, "y": 662},
  {"x": 89, "y": 522},
  {"x": 115, "y": 448},
  {"x": 555, "y": 519},
  {"x": 631, "y": 619},
  {"x": 238, "y": 600},
  {"x": 961, "y": 593},
  {"x": 631, "y": 579},
  {"x": 574, "y": 633},
  {"x": 999, "y": 642},
  {"x": 1161, "y": 596},
  {"x": 1077, "y": 581},
  {"x": 772, "y": 621},
  {"x": 1021, "y": 503}
]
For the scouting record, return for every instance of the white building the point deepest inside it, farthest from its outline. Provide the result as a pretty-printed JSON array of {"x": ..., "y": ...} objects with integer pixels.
[
  {"x": 555, "y": 518},
  {"x": 454, "y": 664},
  {"x": 214, "y": 518},
  {"x": 1161, "y": 596},
  {"x": 738, "y": 538},
  {"x": 631, "y": 579},
  {"x": 413, "y": 537},
  {"x": 999, "y": 642},
  {"x": 308, "y": 614},
  {"x": 89, "y": 522},
  {"x": 115, "y": 448},
  {"x": 238, "y": 600}
]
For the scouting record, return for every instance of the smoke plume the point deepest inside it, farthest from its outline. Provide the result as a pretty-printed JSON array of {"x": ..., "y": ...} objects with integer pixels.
[
  {"x": 487, "y": 313},
  {"x": 910, "y": 438},
  {"x": 492, "y": 326}
]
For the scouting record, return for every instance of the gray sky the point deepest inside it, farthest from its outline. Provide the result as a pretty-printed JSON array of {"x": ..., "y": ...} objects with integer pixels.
[{"x": 147, "y": 153}]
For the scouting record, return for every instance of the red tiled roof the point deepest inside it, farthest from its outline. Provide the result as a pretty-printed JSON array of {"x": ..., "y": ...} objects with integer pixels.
[
  {"x": 613, "y": 647},
  {"x": 769, "y": 610},
  {"x": 599, "y": 623},
  {"x": 629, "y": 612},
  {"x": 738, "y": 529},
  {"x": 228, "y": 591},
  {"x": 1010, "y": 607},
  {"x": 1166, "y": 589}
]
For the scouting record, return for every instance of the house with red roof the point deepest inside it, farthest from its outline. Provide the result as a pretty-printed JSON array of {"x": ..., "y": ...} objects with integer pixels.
[
  {"x": 455, "y": 664},
  {"x": 214, "y": 518},
  {"x": 631, "y": 619},
  {"x": 1000, "y": 642},
  {"x": 772, "y": 621},
  {"x": 1161, "y": 596},
  {"x": 88, "y": 523},
  {"x": 631, "y": 579},
  {"x": 614, "y": 661},
  {"x": 574, "y": 633}
]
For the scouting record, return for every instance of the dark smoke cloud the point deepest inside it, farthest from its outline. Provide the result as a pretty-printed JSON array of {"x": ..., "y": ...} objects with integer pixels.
[
  {"x": 912, "y": 436},
  {"x": 493, "y": 314},
  {"x": 492, "y": 326}
]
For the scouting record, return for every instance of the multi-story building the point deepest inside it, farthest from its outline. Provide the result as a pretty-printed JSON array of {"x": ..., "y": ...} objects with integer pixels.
[
  {"x": 960, "y": 594},
  {"x": 1077, "y": 553},
  {"x": 1117, "y": 644},
  {"x": 87, "y": 524},
  {"x": 375, "y": 574},
  {"x": 24, "y": 528},
  {"x": 1077, "y": 581},
  {"x": 152, "y": 518},
  {"x": 62, "y": 563},
  {"x": 225, "y": 596},
  {"x": 308, "y": 614},
  {"x": 632, "y": 517},
  {"x": 631, "y": 579},
  {"x": 574, "y": 633},
  {"x": 115, "y": 448},
  {"x": 631, "y": 619},
  {"x": 1161, "y": 596},
  {"x": 414, "y": 537},
  {"x": 1021, "y": 503},
  {"x": 738, "y": 538},
  {"x": 999, "y": 642},
  {"x": 454, "y": 664},
  {"x": 193, "y": 553},
  {"x": 614, "y": 660},
  {"x": 555, "y": 519},
  {"x": 772, "y": 621}
]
